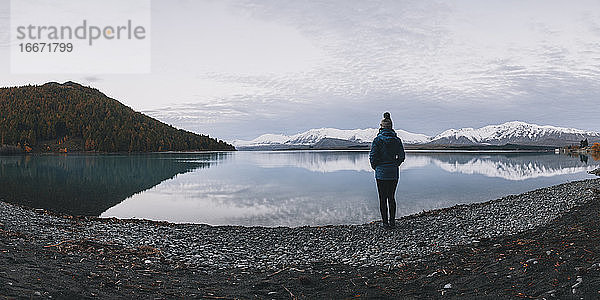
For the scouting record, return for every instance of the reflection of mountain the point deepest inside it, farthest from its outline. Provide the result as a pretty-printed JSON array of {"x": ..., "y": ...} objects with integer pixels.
[
  {"x": 88, "y": 185},
  {"x": 513, "y": 166},
  {"x": 509, "y": 166}
]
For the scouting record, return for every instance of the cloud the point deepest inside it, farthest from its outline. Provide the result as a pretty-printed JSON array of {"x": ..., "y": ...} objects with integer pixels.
[
  {"x": 241, "y": 68},
  {"x": 92, "y": 79},
  {"x": 443, "y": 52}
]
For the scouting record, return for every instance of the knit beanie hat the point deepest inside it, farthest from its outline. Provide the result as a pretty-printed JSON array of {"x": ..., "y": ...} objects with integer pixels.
[{"x": 387, "y": 121}]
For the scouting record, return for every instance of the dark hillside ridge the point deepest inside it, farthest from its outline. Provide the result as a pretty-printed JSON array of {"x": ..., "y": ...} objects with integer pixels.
[{"x": 70, "y": 117}]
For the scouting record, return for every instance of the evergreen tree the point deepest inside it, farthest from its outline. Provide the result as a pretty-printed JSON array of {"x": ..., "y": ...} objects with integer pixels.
[{"x": 70, "y": 113}]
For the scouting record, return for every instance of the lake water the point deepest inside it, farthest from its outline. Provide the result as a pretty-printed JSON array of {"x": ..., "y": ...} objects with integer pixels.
[{"x": 290, "y": 188}]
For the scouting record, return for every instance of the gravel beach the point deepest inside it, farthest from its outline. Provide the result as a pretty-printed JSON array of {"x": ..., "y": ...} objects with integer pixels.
[{"x": 194, "y": 260}]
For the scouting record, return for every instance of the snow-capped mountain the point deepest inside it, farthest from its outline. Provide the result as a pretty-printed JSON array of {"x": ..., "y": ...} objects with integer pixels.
[
  {"x": 519, "y": 133},
  {"x": 328, "y": 137},
  {"x": 516, "y": 132}
]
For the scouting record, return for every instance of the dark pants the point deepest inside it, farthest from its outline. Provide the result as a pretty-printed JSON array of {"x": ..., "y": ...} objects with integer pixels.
[{"x": 387, "y": 191}]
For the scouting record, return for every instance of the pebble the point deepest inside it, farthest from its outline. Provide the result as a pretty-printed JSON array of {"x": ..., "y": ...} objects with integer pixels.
[
  {"x": 274, "y": 248},
  {"x": 448, "y": 286},
  {"x": 578, "y": 282}
]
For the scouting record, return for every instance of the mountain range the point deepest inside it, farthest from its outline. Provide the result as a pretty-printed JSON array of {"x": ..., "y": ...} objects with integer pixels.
[{"x": 509, "y": 133}]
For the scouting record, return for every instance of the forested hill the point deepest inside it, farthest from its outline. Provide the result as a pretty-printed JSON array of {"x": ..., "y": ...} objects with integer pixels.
[{"x": 71, "y": 117}]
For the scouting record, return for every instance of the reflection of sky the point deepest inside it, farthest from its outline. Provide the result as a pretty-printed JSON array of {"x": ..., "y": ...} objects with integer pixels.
[{"x": 328, "y": 187}]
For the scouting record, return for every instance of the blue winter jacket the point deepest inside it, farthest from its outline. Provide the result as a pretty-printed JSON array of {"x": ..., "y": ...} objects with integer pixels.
[{"x": 387, "y": 153}]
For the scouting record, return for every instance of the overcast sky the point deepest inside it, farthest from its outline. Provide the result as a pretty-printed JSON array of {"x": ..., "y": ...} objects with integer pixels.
[{"x": 238, "y": 69}]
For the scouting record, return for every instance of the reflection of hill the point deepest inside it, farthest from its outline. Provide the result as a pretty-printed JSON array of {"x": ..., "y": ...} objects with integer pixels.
[{"x": 89, "y": 185}]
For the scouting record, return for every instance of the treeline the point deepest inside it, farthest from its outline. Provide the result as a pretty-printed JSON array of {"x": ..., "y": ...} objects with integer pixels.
[{"x": 52, "y": 114}]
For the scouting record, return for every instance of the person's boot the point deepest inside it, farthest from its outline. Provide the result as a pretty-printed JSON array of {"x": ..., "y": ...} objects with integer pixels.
[
  {"x": 392, "y": 223},
  {"x": 385, "y": 224}
]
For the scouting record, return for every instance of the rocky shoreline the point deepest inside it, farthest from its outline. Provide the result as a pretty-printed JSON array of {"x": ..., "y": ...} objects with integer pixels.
[
  {"x": 208, "y": 254},
  {"x": 8, "y": 150}
]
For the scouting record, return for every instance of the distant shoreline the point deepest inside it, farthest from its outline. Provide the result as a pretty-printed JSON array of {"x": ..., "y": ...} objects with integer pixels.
[
  {"x": 409, "y": 150},
  {"x": 424, "y": 147}
]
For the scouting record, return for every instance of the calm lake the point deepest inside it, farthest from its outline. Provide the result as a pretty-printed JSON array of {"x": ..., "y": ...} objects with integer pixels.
[{"x": 283, "y": 188}]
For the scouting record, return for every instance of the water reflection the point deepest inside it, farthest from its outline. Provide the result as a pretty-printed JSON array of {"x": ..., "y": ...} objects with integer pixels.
[
  {"x": 512, "y": 166},
  {"x": 89, "y": 184},
  {"x": 270, "y": 188},
  {"x": 509, "y": 166},
  {"x": 337, "y": 187}
]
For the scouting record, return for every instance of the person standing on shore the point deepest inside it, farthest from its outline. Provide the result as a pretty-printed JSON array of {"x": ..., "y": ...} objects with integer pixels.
[{"x": 387, "y": 153}]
